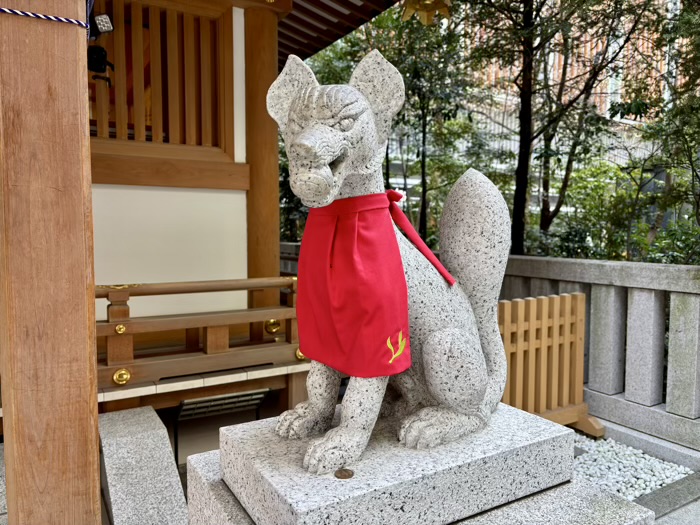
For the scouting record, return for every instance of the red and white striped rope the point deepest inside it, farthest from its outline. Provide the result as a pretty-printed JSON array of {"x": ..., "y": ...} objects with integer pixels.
[{"x": 50, "y": 18}]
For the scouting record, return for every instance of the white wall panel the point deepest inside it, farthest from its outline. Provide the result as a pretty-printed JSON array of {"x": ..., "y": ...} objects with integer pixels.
[{"x": 148, "y": 234}]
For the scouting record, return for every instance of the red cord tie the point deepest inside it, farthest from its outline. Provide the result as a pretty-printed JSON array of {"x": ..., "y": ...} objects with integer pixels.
[{"x": 407, "y": 228}]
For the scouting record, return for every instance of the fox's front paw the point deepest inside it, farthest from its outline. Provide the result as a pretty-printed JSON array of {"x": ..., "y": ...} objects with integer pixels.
[
  {"x": 302, "y": 422},
  {"x": 340, "y": 446}
]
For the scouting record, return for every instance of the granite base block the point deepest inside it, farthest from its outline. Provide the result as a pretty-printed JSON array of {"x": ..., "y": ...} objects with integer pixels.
[
  {"x": 517, "y": 455},
  {"x": 209, "y": 500},
  {"x": 140, "y": 480},
  {"x": 575, "y": 503},
  {"x": 212, "y": 503}
]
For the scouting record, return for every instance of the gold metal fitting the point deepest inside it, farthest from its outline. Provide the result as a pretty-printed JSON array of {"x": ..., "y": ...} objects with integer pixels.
[
  {"x": 426, "y": 9},
  {"x": 116, "y": 286},
  {"x": 272, "y": 326},
  {"x": 270, "y": 1},
  {"x": 121, "y": 376},
  {"x": 300, "y": 356},
  {"x": 120, "y": 328}
]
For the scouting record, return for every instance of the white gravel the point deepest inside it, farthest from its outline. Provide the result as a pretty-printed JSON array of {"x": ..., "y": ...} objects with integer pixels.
[{"x": 623, "y": 470}]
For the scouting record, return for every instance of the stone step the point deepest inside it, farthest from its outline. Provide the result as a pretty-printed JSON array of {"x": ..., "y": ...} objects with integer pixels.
[
  {"x": 139, "y": 476},
  {"x": 518, "y": 454},
  {"x": 212, "y": 503}
]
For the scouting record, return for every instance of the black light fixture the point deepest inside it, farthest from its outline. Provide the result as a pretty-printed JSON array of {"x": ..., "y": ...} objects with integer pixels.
[
  {"x": 99, "y": 24},
  {"x": 97, "y": 55},
  {"x": 97, "y": 63}
]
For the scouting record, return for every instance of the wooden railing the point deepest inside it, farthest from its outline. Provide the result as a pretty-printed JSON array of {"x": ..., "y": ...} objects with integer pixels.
[
  {"x": 208, "y": 346},
  {"x": 544, "y": 342}
]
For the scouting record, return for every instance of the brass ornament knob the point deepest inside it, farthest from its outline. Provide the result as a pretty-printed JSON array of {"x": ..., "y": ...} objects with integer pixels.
[
  {"x": 120, "y": 329},
  {"x": 121, "y": 376},
  {"x": 300, "y": 356},
  {"x": 272, "y": 326},
  {"x": 426, "y": 9}
]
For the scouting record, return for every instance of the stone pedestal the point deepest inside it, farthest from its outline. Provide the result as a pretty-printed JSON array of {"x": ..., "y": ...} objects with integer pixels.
[
  {"x": 516, "y": 472},
  {"x": 212, "y": 503},
  {"x": 518, "y": 454},
  {"x": 140, "y": 480}
]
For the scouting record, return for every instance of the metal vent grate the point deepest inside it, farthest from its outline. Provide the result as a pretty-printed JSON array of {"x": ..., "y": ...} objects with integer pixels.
[{"x": 214, "y": 406}]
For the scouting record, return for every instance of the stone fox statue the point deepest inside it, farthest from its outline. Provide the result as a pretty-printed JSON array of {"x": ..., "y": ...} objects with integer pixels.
[{"x": 453, "y": 377}]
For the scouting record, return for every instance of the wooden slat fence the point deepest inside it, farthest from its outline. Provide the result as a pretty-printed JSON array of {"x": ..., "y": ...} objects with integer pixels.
[{"x": 544, "y": 343}]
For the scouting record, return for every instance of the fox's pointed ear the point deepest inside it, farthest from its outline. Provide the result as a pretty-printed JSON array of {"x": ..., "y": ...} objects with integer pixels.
[
  {"x": 294, "y": 77},
  {"x": 382, "y": 85}
]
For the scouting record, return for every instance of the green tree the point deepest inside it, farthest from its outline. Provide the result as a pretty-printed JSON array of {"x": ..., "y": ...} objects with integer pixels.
[
  {"x": 625, "y": 214},
  {"x": 670, "y": 120},
  {"x": 522, "y": 36},
  {"x": 678, "y": 128}
]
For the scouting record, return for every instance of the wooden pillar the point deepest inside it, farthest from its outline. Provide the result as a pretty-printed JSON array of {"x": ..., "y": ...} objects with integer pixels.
[
  {"x": 262, "y": 151},
  {"x": 47, "y": 313}
]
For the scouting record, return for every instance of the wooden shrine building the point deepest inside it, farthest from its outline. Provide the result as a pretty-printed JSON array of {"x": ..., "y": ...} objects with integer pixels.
[{"x": 160, "y": 167}]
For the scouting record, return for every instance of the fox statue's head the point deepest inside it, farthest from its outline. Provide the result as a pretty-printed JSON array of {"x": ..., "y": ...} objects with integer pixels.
[{"x": 336, "y": 135}]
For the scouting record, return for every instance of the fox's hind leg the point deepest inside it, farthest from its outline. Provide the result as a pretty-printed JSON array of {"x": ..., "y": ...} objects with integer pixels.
[{"x": 456, "y": 376}]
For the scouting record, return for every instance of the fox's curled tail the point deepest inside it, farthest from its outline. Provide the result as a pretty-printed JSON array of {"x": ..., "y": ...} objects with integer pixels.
[{"x": 474, "y": 246}]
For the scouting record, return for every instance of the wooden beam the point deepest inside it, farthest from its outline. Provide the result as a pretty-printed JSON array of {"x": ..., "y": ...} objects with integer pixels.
[
  {"x": 279, "y": 6},
  {"x": 313, "y": 24},
  {"x": 170, "y": 165},
  {"x": 363, "y": 12},
  {"x": 47, "y": 307},
  {"x": 226, "y": 111},
  {"x": 330, "y": 12},
  {"x": 174, "y": 95},
  {"x": 161, "y": 323},
  {"x": 187, "y": 287},
  {"x": 120, "y": 71},
  {"x": 287, "y": 36},
  {"x": 192, "y": 131},
  {"x": 262, "y": 153},
  {"x": 137, "y": 69},
  {"x": 216, "y": 8},
  {"x": 147, "y": 369},
  {"x": 206, "y": 79},
  {"x": 156, "y": 76}
]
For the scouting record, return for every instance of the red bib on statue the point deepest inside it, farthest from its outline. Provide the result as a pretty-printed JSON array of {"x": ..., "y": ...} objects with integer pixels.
[{"x": 352, "y": 304}]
